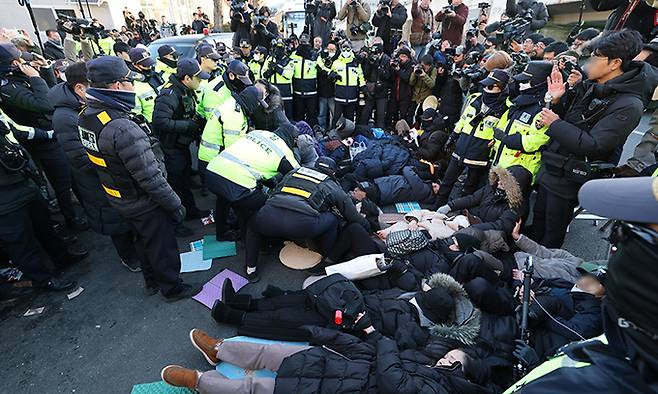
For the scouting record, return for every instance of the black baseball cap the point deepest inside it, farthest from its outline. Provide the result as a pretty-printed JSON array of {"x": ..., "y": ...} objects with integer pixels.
[
  {"x": 8, "y": 53},
  {"x": 241, "y": 71},
  {"x": 141, "y": 56},
  {"x": 166, "y": 50},
  {"x": 209, "y": 52},
  {"x": 496, "y": 77},
  {"x": 245, "y": 44},
  {"x": 628, "y": 199},
  {"x": 261, "y": 49},
  {"x": 190, "y": 67},
  {"x": 108, "y": 69},
  {"x": 535, "y": 72}
]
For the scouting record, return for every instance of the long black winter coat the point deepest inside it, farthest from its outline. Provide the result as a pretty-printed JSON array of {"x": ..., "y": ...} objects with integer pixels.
[
  {"x": 52, "y": 51},
  {"x": 380, "y": 159},
  {"x": 344, "y": 364},
  {"x": 126, "y": 142},
  {"x": 451, "y": 99},
  {"x": 102, "y": 217},
  {"x": 603, "y": 137},
  {"x": 406, "y": 187}
]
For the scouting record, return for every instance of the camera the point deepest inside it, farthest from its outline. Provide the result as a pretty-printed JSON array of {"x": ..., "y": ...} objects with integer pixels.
[
  {"x": 427, "y": 28},
  {"x": 395, "y": 63},
  {"x": 79, "y": 26},
  {"x": 452, "y": 51},
  {"x": 418, "y": 69},
  {"x": 237, "y": 6},
  {"x": 386, "y": 6},
  {"x": 449, "y": 8},
  {"x": 570, "y": 65},
  {"x": 483, "y": 6},
  {"x": 363, "y": 28}
]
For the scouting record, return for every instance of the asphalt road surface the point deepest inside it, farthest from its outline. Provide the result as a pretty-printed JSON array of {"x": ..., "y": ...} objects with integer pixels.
[{"x": 112, "y": 336}]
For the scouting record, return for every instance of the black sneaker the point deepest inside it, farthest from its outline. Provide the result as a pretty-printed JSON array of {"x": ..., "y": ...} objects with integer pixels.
[
  {"x": 132, "y": 265},
  {"x": 77, "y": 223},
  {"x": 187, "y": 291},
  {"x": 196, "y": 213},
  {"x": 55, "y": 284},
  {"x": 253, "y": 276},
  {"x": 228, "y": 292},
  {"x": 182, "y": 231}
]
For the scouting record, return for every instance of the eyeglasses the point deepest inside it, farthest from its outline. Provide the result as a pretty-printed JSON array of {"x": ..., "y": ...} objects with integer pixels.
[{"x": 622, "y": 231}]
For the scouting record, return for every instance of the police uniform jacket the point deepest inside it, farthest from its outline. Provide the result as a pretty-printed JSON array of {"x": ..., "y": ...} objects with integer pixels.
[{"x": 174, "y": 115}]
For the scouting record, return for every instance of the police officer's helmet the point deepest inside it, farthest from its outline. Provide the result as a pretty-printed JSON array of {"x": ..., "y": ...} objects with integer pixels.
[{"x": 327, "y": 165}]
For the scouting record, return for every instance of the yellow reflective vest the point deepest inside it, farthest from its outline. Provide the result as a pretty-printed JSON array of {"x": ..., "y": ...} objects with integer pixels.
[
  {"x": 252, "y": 158},
  {"x": 164, "y": 70},
  {"x": 145, "y": 99},
  {"x": 225, "y": 126}
]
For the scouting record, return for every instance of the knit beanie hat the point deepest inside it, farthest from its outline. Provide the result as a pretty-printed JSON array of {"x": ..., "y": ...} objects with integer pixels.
[
  {"x": 467, "y": 242},
  {"x": 437, "y": 304},
  {"x": 498, "y": 59},
  {"x": 344, "y": 128},
  {"x": 402, "y": 127}
]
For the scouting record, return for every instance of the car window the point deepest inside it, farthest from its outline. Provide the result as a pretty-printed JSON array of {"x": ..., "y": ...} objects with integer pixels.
[{"x": 185, "y": 50}]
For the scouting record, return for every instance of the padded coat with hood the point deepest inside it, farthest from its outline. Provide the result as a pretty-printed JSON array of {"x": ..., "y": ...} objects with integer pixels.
[
  {"x": 102, "y": 217},
  {"x": 406, "y": 187},
  {"x": 380, "y": 159},
  {"x": 495, "y": 212},
  {"x": 601, "y": 138}
]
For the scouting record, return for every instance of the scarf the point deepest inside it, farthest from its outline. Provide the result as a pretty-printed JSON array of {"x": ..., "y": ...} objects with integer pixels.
[{"x": 121, "y": 100}]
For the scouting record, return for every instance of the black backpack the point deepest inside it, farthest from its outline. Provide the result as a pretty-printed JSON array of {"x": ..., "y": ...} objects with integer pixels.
[{"x": 336, "y": 293}]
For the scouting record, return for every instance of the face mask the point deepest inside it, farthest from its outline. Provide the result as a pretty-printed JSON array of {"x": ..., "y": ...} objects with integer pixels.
[
  {"x": 347, "y": 53},
  {"x": 257, "y": 57},
  {"x": 331, "y": 54},
  {"x": 489, "y": 98}
]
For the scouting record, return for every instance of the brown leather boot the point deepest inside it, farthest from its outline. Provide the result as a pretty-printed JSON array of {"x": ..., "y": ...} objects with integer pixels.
[
  {"x": 206, "y": 344},
  {"x": 180, "y": 377}
]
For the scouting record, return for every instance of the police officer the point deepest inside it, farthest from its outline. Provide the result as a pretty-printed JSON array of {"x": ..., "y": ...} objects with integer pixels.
[
  {"x": 244, "y": 53},
  {"x": 257, "y": 64},
  {"x": 230, "y": 122},
  {"x": 302, "y": 207},
  {"x": 623, "y": 360},
  {"x": 25, "y": 230},
  {"x": 474, "y": 135},
  {"x": 25, "y": 101},
  {"x": 347, "y": 73},
  {"x": 234, "y": 80},
  {"x": 132, "y": 174},
  {"x": 209, "y": 61},
  {"x": 279, "y": 70},
  {"x": 177, "y": 125},
  {"x": 166, "y": 63},
  {"x": 305, "y": 82},
  {"x": 519, "y": 136},
  {"x": 238, "y": 173},
  {"x": 147, "y": 89}
]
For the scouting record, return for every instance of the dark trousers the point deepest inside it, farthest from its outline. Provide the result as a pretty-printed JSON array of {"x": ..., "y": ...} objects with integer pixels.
[
  {"x": 244, "y": 202},
  {"x": 126, "y": 246},
  {"x": 288, "y": 108},
  {"x": 28, "y": 236},
  {"x": 306, "y": 108},
  {"x": 158, "y": 250},
  {"x": 56, "y": 167},
  {"x": 353, "y": 241},
  {"x": 344, "y": 109},
  {"x": 375, "y": 103},
  {"x": 400, "y": 109},
  {"x": 552, "y": 215},
  {"x": 179, "y": 174},
  {"x": 277, "y": 222},
  {"x": 451, "y": 175}
]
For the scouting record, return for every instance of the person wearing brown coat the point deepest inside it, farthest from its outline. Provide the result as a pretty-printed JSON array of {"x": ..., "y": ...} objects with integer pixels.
[
  {"x": 422, "y": 25},
  {"x": 357, "y": 13},
  {"x": 452, "y": 26},
  {"x": 423, "y": 79}
]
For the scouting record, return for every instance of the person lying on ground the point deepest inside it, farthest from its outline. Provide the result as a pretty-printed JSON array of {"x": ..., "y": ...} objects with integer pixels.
[{"x": 390, "y": 189}]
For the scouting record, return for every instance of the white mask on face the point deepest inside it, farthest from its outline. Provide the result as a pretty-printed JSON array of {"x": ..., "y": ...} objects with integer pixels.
[
  {"x": 347, "y": 53},
  {"x": 257, "y": 57},
  {"x": 332, "y": 54}
]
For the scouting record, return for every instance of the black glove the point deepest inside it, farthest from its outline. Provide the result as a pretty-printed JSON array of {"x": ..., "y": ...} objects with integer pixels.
[
  {"x": 525, "y": 354},
  {"x": 179, "y": 215},
  {"x": 363, "y": 322},
  {"x": 334, "y": 76},
  {"x": 499, "y": 134}
]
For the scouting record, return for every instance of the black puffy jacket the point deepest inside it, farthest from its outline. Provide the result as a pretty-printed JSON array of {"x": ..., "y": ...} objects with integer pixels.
[
  {"x": 174, "y": 115},
  {"x": 602, "y": 138},
  {"x": 451, "y": 99},
  {"x": 406, "y": 187},
  {"x": 102, "y": 217},
  {"x": 124, "y": 141},
  {"x": 641, "y": 19},
  {"x": 16, "y": 190},
  {"x": 385, "y": 25},
  {"x": 380, "y": 159}
]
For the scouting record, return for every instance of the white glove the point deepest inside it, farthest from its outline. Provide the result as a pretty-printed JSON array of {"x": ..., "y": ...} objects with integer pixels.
[{"x": 444, "y": 209}]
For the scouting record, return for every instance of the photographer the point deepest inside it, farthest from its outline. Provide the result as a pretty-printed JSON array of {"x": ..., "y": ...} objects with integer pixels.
[
  {"x": 356, "y": 14},
  {"x": 553, "y": 49},
  {"x": 377, "y": 73},
  {"x": 265, "y": 30},
  {"x": 534, "y": 11},
  {"x": 472, "y": 44},
  {"x": 399, "y": 105},
  {"x": 422, "y": 25},
  {"x": 53, "y": 48},
  {"x": 453, "y": 18},
  {"x": 642, "y": 15},
  {"x": 389, "y": 18},
  {"x": 326, "y": 86},
  {"x": 241, "y": 13},
  {"x": 279, "y": 71},
  {"x": 598, "y": 114},
  {"x": 325, "y": 12},
  {"x": 448, "y": 94},
  {"x": 198, "y": 24},
  {"x": 423, "y": 80}
]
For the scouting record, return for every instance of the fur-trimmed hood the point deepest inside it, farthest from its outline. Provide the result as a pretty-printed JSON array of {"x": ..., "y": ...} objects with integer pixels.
[
  {"x": 465, "y": 324},
  {"x": 509, "y": 183}
]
